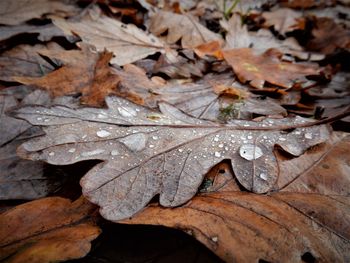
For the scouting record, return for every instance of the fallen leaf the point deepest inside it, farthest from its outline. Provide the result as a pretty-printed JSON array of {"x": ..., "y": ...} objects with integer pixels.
[
  {"x": 283, "y": 20},
  {"x": 184, "y": 27},
  {"x": 45, "y": 32},
  {"x": 47, "y": 230},
  {"x": 328, "y": 36},
  {"x": 245, "y": 227},
  {"x": 323, "y": 170},
  {"x": 21, "y": 179},
  {"x": 144, "y": 149},
  {"x": 305, "y": 4},
  {"x": 96, "y": 79},
  {"x": 267, "y": 67},
  {"x": 237, "y": 33},
  {"x": 19, "y": 11},
  {"x": 24, "y": 60},
  {"x": 308, "y": 219},
  {"x": 127, "y": 42},
  {"x": 212, "y": 48}
]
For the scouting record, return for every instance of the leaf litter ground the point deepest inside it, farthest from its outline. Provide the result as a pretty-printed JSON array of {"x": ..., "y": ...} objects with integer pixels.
[{"x": 207, "y": 124}]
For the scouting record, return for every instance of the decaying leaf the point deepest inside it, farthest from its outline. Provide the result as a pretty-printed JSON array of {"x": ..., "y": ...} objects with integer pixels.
[
  {"x": 24, "y": 60},
  {"x": 95, "y": 80},
  {"x": 19, "y": 11},
  {"x": 47, "y": 230},
  {"x": 267, "y": 67},
  {"x": 183, "y": 27},
  {"x": 245, "y": 227},
  {"x": 127, "y": 42},
  {"x": 168, "y": 153}
]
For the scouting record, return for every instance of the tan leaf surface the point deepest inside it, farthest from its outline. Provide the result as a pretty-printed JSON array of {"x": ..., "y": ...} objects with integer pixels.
[
  {"x": 84, "y": 71},
  {"x": 127, "y": 42},
  {"x": 47, "y": 230},
  {"x": 19, "y": 11},
  {"x": 184, "y": 27},
  {"x": 267, "y": 67}
]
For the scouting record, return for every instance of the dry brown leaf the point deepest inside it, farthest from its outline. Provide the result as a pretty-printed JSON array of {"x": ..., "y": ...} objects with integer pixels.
[
  {"x": 328, "y": 36},
  {"x": 244, "y": 227},
  {"x": 19, "y": 11},
  {"x": 127, "y": 42},
  {"x": 47, "y": 230},
  {"x": 282, "y": 19},
  {"x": 184, "y": 27},
  {"x": 267, "y": 67},
  {"x": 212, "y": 48},
  {"x": 83, "y": 71},
  {"x": 143, "y": 150},
  {"x": 24, "y": 60}
]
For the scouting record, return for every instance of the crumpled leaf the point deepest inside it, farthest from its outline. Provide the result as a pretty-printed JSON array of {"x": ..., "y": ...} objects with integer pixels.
[
  {"x": 244, "y": 227},
  {"x": 47, "y": 230},
  {"x": 24, "y": 60},
  {"x": 184, "y": 27},
  {"x": 95, "y": 80},
  {"x": 127, "y": 42},
  {"x": 148, "y": 153},
  {"x": 19, "y": 11},
  {"x": 267, "y": 67}
]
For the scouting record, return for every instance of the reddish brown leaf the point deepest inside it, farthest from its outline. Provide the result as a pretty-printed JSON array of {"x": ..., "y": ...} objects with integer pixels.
[
  {"x": 244, "y": 227},
  {"x": 267, "y": 67},
  {"x": 47, "y": 230},
  {"x": 83, "y": 72},
  {"x": 328, "y": 36}
]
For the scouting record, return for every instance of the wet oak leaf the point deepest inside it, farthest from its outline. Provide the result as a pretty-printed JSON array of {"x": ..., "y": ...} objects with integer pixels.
[
  {"x": 127, "y": 42},
  {"x": 147, "y": 153},
  {"x": 267, "y": 67},
  {"x": 19, "y": 11},
  {"x": 83, "y": 71},
  {"x": 184, "y": 27},
  {"x": 47, "y": 230},
  {"x": 245, "y": 227}
]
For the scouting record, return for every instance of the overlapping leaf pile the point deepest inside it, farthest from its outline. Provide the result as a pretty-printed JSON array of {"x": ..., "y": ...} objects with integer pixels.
[{"x": 222, "y": 109}]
